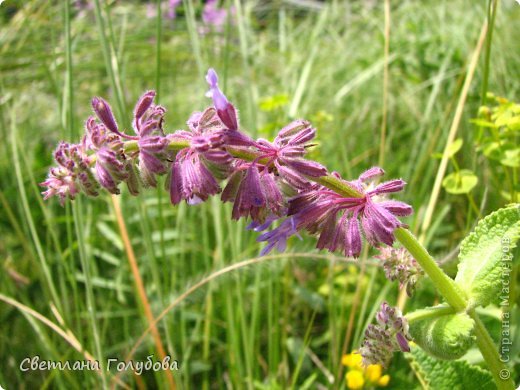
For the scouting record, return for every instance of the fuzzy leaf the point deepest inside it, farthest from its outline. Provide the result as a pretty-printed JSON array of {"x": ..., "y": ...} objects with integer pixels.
[
  {"x": 436, "y": 374},
  {"x": 483, "y": 256}
]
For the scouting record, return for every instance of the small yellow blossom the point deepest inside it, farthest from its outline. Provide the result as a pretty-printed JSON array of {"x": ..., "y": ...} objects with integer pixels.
[
  {"x": 352, "y": 360},
  {"x": 373, "y": 372},
  {"x": 358, "y": 375},
  {"x": 355, "y": 380},
  {"x": 383, "y": 381}
]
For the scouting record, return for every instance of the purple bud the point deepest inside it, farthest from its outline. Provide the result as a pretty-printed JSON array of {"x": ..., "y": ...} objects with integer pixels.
[
  {"x": 371, "y": 173},
  {"x": 389, "y": 186},
  {"x": 143, "y": 104},
  {"x": 250, "y": 199},
  {"x": 307, "y": 167},
  {"x": 104, "y": 113},
  {"x": 293, "y": 128},
  {"x": 176, "y": 184},
  {"x": 231, "y": 189},
  {"x": 403, "y": 343},
  {"x": 353, "y": 238},
  {"x": 303, "y": 136},
  {"x": 105, "y": 179},
  {"x": 228, "y": 115},
  {"x": 397, "y": 208}
]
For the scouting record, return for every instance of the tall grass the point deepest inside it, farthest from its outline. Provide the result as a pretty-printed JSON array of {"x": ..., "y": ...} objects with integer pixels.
[{"x": 270, "y": 324}]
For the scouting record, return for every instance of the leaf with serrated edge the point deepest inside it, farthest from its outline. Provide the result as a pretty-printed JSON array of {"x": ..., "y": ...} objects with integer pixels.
[
  {"x": 436, "y": 374},
  {"x": 482, "y": 254}
]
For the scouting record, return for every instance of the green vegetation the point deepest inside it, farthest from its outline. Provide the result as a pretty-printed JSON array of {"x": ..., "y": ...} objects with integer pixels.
[{"x": 285, "y": 320}]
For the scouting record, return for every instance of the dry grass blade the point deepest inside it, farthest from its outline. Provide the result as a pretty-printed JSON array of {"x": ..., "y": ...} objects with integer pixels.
[{"x": 139, "y": 285}]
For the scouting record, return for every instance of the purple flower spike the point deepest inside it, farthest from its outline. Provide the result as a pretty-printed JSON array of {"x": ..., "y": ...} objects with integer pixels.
[
  {"x": 382, "y": 340},
  {"x": 225, "y": 110},
  {"x": 399, "y": 265}
]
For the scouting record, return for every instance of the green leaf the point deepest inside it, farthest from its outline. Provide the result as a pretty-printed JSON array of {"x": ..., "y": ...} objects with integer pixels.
[
  {"x": 482, "y": 123},
  {"x": 454, "y": 147},
  {"x": 511, "y": 158},
  {"x": 461, "y": 182},
  {"x": 486, "y": 254},
  {"x": 273, "y": 103},
  {"x": 436, "y": 374},
  {"x": 443, "y": 334}
]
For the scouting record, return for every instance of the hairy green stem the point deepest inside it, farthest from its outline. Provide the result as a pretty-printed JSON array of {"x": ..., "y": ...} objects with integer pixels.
[
  {"x": 429, "y": 313},
  {"x": 501, "y": 374},
  {"x": 444, "y": 284}
]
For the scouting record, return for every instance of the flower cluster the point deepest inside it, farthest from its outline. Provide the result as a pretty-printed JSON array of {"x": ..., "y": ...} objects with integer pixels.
[
  {"x": 359, "y": 376},
  {"x": 215, "y": 18},
  {"x": 389, "y": 335},
  {"x": 342, "y": 221},
  {"x": 71, "y": 175},
  {"x": 399, "y": 265},
  {"x": 268, "y": 182}
]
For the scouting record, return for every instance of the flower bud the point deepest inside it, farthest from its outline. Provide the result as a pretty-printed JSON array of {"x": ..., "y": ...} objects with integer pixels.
[{"x": 104, "y": 113}]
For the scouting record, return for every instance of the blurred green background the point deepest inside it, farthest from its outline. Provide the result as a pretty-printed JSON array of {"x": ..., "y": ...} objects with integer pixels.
[{"x": 282, "y": 322}]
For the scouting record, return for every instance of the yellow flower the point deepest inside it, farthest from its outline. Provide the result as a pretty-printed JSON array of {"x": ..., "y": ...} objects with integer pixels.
[
  {"x": 383, "y": 381},
  {"x": 352, "y": 360},
  {"x": 359, "y": 375},
  {"x": 355, "y": 380},
  {"x": 373, "y": 372}
]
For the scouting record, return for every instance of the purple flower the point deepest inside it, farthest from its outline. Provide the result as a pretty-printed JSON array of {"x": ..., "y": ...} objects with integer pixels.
[
  {"x": 277, "y": 238},
  {"x": 225, "y": 110},
  {"x": 389, "y": 335},
  {"x": 254, "y": 191},
  {"x": 111, "y": 166},
  {"x": 71, "y": 175},
  {"x": 287, "y": 151},
  {"x": 172, "y": 7},
  {"x": 194, "y": 169},
  {"x": 399, "y": 265},
  {"x": 147, "y": 123},
  {"x": 215, "y": 17},
  {"x": 340, "y": 221}
]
